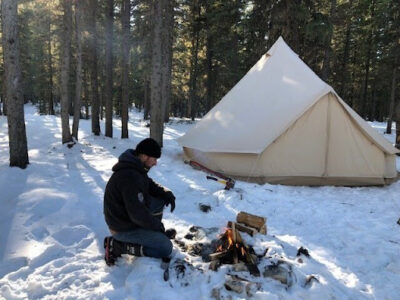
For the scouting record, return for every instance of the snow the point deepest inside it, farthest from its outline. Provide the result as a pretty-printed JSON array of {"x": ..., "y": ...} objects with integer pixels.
[{"x": 52, "y": 226}]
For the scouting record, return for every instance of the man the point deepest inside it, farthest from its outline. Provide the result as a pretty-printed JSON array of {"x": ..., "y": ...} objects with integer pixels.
[{"x": 133, "y": 206}]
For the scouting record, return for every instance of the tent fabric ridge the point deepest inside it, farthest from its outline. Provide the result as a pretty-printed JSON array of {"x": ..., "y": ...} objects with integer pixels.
[{"x": 328, "y": 130}]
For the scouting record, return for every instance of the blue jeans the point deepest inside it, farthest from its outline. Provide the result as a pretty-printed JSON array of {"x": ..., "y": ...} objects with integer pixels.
[{"x": 155, "y": 243}]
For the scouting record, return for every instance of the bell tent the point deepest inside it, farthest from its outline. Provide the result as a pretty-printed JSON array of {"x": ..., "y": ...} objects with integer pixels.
[{"x": 282, "y": 124}]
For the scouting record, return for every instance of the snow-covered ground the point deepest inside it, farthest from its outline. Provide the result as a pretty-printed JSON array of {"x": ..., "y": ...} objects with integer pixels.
[{"x": 52, "y": 226}]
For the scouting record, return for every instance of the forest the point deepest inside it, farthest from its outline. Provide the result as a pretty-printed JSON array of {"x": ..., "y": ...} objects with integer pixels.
[{"x": 95, "y": 59}]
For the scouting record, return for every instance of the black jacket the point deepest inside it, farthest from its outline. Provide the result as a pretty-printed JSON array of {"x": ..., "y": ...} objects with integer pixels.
[{"x": 127, "y": 195}]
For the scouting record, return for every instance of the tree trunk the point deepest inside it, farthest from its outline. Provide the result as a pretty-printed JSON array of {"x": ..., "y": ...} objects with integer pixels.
[
  {"x": 345, "y": 59},
  {"x": 50, "y": 67},
  {"x": 65, "y": 69},
  {"x": 363, "y": 105},
  {"x": 156, "y": 97},
  {"x": 78, "y": 85},
  {"x": 125, "y": 20},
  {"x": 146, "y": 110},
  {"x": 210, "y": 83},
  {"x": 93, "y": 54},
  {"x": 167, "y": 55},
  {"x": 194, "y": 61},
  {"x": 393, "y": 93},
  {"x": 4, "y": 91},
  {"x": 109, "y": 68},
  {"x": 397, "y": 118},
  {"x": 86, "y": 92},
  {"x": 328, "y": 50},
  {"x": 12, "y": 74}
]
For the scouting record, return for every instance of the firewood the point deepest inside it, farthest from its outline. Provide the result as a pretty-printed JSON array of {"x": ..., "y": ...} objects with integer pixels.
[
  {"x": 243, "y": 228},
  {"x": 253, "y": 269},
  {"x": 214, "y": 265},
  {"x": 234, "y": 239},
  {"x": 218, "y": 255},
  {"x": 235, "y": 286},
  {"x": 263, "y": 229},
  {"x": 256, "y": 222}
]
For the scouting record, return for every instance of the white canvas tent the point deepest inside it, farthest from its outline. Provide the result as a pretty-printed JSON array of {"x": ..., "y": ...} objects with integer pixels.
[{"x": 282, "y": 124}]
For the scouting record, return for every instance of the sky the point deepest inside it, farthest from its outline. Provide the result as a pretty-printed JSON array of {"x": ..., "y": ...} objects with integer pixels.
[{"x": 52, "y": 226}]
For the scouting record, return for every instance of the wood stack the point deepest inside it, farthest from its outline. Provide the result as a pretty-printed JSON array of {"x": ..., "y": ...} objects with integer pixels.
[{"x": 250, "y": 224}]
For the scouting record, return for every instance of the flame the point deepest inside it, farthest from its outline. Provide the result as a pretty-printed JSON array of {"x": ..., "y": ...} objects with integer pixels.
[{"x": 230, "y": 239}]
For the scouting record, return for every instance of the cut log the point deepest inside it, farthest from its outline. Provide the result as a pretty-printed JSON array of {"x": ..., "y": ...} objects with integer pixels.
[
  {"x": 254, "y": 221},
  {"x": 243, "y": 228},
  {"x": 250, "y": 262},
  {"x": 214, "y": 265},
  {"x": 234, "y": 239},
  {"x": 218, "y": 255},
  {"x": 263, "y": 229}
]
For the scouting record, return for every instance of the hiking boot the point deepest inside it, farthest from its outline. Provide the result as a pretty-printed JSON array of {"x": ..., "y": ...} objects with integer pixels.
[
  {"x": 170, "y": 233},
  {"x": 114, "y": 249},
  {"x": 108, "y": 249}
]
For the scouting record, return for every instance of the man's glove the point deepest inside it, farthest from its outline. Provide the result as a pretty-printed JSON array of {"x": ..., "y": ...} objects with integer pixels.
[{"x": 169, "y": 198}]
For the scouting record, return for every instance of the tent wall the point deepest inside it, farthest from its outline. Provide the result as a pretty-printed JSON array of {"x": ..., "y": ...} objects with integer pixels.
[
  {"x": 325, "y": 146},
  {"x": 350, "y": 152}
]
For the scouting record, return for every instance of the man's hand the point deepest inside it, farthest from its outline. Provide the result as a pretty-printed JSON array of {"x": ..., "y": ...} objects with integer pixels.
[{"x": 170, "y": 199}]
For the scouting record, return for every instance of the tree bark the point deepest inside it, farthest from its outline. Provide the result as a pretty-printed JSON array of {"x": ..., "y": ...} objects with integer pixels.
[
  {"x": 15, "y": 104},
  {"x": 393, "y": 91},
  {"x": 65, "y": 69},
  {"x": 125, "y": 20},
  {"x": 192, "y": 111},
  {"x": 4, "y": 91},
  {"x": 78, "y": 85},
  {"x": 397, "y": 118},
  {"x": 109, "y": 69},
  {"x": 146, "y": 110},
  {"x": 363, "y": 105},
  {"x": 94, "y": 70},
  {"x": 325, "y": 72},
  {"x": 210, "y": 83},
  {"x": 156, "y": 97},
  {"x": 345, "y": 59},
  {"x": 86, "y": 93},
  {"x": 50, "y": 67},
  {"x": 167, "y": 55}
]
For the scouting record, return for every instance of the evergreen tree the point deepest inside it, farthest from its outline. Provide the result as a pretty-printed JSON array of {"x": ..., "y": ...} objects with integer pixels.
[{"x": 12, "y": 73}]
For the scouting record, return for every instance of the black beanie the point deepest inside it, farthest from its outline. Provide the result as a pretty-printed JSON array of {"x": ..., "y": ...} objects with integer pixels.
[{"x": 149, "y": 147}]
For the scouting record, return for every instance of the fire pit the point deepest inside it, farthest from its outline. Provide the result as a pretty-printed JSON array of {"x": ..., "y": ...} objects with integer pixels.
[{"x": 232, "y": 249}]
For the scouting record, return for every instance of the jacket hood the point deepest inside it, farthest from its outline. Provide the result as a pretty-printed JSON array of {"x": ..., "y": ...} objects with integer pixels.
[{"x": 129, "y": 160}]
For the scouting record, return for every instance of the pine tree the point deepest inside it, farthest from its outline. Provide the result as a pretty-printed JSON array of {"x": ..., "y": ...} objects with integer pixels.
[
  {"x": 65, "y": 69},
  {"x": 109, "y": 67},
  {"x": 15, "y": 103},
  {"x": 125, "y": 20},
  {"x": 78, "y": 84}
]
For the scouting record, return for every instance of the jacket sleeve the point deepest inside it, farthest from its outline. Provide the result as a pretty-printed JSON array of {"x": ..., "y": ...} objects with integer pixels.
[
  {"x": 157, "y": 190},
  {"x": 137, "y": 211}
]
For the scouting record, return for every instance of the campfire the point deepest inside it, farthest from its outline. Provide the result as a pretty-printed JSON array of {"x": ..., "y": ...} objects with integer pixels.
[
  {"x": 232, "y": 249},
  {"x": 243, "y": 276}
]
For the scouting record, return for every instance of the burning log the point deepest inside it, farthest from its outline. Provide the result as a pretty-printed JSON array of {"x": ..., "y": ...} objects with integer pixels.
[
  {"x": 233, "y": 249},
  {"x": 252, "y": 221}
]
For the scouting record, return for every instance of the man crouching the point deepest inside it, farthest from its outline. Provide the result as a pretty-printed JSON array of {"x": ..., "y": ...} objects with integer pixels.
[{"x": 133, "y": 206}]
